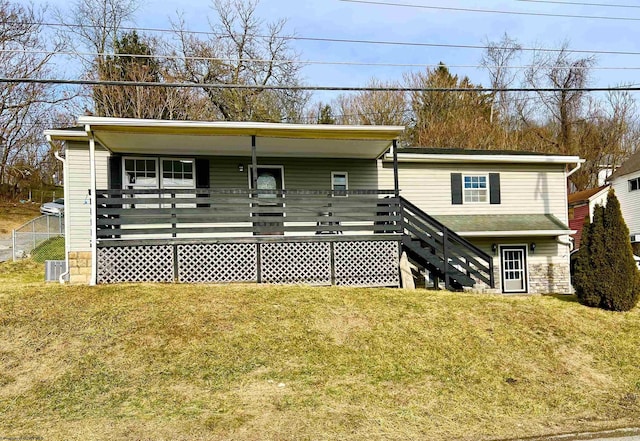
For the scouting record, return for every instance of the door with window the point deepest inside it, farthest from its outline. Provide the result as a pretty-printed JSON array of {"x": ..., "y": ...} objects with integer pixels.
[
  {"x": 269, "y": 177},
  {"x": 514, "y": 268}
]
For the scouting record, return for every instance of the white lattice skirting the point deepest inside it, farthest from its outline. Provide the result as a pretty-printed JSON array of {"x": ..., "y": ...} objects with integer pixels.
[
  {"x": 217, "y": 263},
  {"x": 352, "y": 263},
  {"x": 151, "y": 263},
  {"x": 291, "y": 262}
]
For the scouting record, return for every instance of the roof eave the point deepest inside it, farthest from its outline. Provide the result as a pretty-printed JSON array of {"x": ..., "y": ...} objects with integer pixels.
[
  {"x": 514, "y": 159},
  {"x": 515, "y": 233},
  {"x": 276, "y": 130},
  {"x": 66, "y": 135}
]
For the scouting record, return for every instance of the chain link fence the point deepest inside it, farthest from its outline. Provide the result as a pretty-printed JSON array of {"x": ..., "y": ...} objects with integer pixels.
[{"x": 41, "y": 238}]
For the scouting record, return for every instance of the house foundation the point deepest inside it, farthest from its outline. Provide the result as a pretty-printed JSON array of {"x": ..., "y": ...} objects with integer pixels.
[
  {"x": 315, "y": 261},
  {"x": 79, "y": 267},
  {"x": 549, "y": 278}
]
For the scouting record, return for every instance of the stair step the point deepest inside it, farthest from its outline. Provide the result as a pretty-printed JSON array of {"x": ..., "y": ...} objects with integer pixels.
[{"x": 435, "y": 264}]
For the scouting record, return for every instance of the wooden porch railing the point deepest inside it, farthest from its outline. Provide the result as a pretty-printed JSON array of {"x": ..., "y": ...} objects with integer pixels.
[{"x": 155, "y": 213}]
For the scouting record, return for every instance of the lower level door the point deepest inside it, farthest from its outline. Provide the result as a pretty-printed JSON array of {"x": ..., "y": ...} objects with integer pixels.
[{"x": 514, "y": 268}]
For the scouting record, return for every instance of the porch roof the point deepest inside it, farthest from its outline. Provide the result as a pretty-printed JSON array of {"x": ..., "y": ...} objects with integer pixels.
[
  {"x": 493, "y": 225},
  {"x": 164, "y": 137}
]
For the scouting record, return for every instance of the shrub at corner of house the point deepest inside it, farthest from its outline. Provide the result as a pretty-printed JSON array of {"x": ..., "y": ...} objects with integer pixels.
[
  {"x": 604, "y": 271},
  {"x": 622, "y": 285},
  {"x": 583, "y": 266}
]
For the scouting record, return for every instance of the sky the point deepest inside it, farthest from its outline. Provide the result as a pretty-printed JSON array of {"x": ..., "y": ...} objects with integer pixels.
[{"x": 348, "y": 20}]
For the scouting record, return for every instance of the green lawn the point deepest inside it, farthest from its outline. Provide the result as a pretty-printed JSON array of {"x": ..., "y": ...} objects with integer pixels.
[
  {"x": 249, "y": 362},
  {"x": 50, "y": 249}
]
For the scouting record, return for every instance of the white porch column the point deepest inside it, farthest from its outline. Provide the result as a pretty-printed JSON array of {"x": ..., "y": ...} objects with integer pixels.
[{"x": 94, "y": 205}]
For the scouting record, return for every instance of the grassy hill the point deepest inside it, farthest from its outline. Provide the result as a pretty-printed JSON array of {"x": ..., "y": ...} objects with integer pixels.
[{"x": 248, "y": 362}]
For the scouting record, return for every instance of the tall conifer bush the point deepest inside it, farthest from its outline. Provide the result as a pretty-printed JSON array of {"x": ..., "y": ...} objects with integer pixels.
[{"x": 605, "y": 274}]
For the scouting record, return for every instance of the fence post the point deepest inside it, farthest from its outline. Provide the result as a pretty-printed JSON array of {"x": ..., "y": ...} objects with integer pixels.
[
  {"x": 33, "y": 233},
  {"x": 48, "y": 228},
  {"x": 13, "y": 249}
]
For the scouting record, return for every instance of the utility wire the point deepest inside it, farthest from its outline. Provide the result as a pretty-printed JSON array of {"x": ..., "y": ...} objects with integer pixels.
[
  {"x": 492, "y": 11},
  {"x": 604, "y": 5},
  {"x": 344, "y": 40},
  {"x": 314, "y": 88},
  {"x": 293, "y": 61}
]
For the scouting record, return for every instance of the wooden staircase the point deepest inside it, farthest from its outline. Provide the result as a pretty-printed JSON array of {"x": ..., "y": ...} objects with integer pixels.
[{"x": 430, "y": 245}]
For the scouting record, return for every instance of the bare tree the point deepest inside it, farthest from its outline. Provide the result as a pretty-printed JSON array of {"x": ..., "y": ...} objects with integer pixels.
[
  {"x": 497, "y": 60},
  {"x": 374, "y": 107},
  {"x": 244, "y": 51},
  {"x": 566, "y": 105},
  {"x": 607, "y": 136},
  {"x": 25, "y": 108},
  {"x": 95, "y": 25}
]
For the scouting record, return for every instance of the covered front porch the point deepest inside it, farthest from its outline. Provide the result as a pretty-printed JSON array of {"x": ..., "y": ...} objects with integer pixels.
[{"x": 243, "y": 202}]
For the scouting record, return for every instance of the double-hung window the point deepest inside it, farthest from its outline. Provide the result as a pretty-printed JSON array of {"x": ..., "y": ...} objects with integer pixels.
[
  {"x": 178, "y": 173},
  {"x": 634, "y": 184},
  {"x": 159, "y": 173},
  {"x": 140, "y": 173},
  {"x": 475, "y": 189}
]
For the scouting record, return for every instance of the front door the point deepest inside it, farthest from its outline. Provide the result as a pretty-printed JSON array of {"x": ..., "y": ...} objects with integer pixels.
[
  {"x": 270, "y": 177},
  {"x": 514, "y": 268}
]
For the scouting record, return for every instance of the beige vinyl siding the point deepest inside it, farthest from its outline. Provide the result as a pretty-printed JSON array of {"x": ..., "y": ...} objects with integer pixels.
[
  {"x": 629, "y": 201},
  {"x": 77, "y": 205},
  {"x": 524, "y": 188},
  {"x": 299, "y": 173}
]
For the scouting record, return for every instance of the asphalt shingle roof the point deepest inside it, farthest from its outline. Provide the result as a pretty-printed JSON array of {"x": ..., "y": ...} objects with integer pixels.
[
  {"x": 629, "y": 166},
  {"x": 584, "y": 195},
  {"x": 502, "y": 222}
]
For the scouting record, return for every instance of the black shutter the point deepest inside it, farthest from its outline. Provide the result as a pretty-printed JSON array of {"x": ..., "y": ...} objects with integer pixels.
[
  {"x": 202, "y": 178},
  {"x": 115, "y": 172},
  {"x": 456, "y": 188},
  {"x": 202, "y": 173},
  {"x": 494, "y": 188}
]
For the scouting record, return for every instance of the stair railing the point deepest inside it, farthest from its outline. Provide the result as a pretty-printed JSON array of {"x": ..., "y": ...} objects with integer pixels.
[{"x": 457, "y": 254}]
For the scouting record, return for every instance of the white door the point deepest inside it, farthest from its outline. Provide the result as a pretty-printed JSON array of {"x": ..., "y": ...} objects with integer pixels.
[{"x": 514, "y": 268}]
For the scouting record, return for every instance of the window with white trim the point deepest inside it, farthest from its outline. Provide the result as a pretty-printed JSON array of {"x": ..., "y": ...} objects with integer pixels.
[
  {"x": 178, "y": 173},
  {"x": 475, "y": 188},
  {"x": 634, "y": 184},
  {"x": 143, "y": 173},
  {"x": 140, "y": 173},
  {"x": 339, "y": 183}
]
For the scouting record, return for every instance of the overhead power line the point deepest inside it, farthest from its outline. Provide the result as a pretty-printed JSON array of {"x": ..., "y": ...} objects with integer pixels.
[
  {"x": 294, "y": 61},
  {"x": 492, "y": 11},
  {"x": 313, "y": 88},
  {"x": 603, "y": 5},
  {"x": 351, "y": 41}
]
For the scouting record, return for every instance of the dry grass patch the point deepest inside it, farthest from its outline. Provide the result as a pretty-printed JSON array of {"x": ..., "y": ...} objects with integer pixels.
[
  {"x": 254, "y": 362},
  {"x": 15, "y": 214}
]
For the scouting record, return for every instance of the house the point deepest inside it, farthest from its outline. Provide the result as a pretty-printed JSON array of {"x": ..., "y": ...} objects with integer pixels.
[
  {"x": 625, "y": 182},
  {"x": 187, "y": 201},
  {"x": 581, "y": 205}
]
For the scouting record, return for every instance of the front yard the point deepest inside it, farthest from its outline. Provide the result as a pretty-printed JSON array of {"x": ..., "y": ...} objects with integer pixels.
[{"x": 248, "y": 362}]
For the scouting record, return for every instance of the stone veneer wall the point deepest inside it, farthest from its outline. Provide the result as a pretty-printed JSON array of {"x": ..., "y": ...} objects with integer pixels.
[
  {"x": 549, "y": 278},
  {"x": 80, "y": 267},
  {"x": 544, "y": 278}
]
